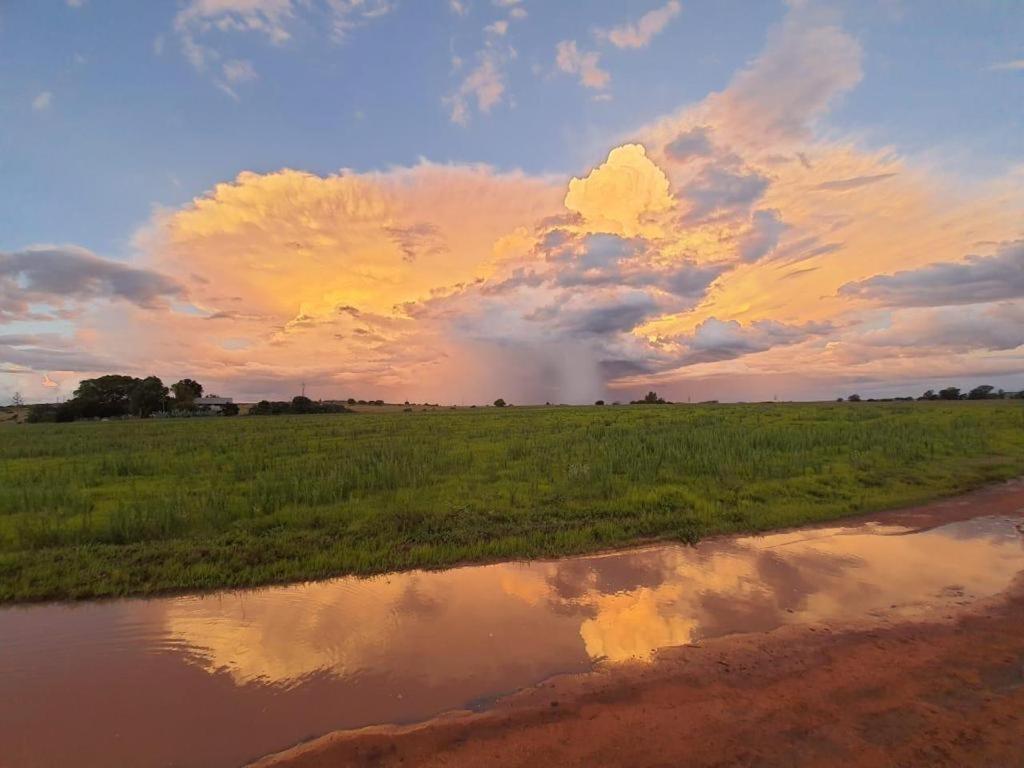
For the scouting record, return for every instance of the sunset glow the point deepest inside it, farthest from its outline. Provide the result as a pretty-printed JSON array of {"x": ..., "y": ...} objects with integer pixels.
[{"x": 770, "y": 237}]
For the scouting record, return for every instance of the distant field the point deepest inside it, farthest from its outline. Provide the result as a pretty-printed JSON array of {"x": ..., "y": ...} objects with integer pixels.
[{"x": 95, "y": 509}]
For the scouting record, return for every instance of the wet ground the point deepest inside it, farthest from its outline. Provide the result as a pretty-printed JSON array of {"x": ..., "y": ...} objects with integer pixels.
[{"x": 221, "y": 679}]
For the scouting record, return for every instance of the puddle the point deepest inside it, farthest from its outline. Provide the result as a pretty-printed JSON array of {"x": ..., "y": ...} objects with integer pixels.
[{"x": 219, "y": 679}]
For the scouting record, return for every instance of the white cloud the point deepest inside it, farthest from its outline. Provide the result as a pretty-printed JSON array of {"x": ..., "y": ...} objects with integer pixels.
[
  {"x": 1016, "y": 65},
  {"x": 485, "y": 85},
  {"x": 238, "y": 71},
  {"x": 235, "y": 72},
  {"x": 200, "y": 20},
  {"x": 640, "y": 34},
  {"x": 571, "y": 60},
  {"x": 498, "y": 28},
  {"x": 42, "y": 101}
]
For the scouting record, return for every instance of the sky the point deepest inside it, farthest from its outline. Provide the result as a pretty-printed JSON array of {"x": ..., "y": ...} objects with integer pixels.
[{"x": 559, "y": 201}]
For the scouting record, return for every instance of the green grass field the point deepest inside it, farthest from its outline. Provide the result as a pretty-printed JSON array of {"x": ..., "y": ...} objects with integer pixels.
[{"x": 137, "y": 507}]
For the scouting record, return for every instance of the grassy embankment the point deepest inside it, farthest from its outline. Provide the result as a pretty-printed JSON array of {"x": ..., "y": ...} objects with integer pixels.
[{"x": 94, "y": 509}]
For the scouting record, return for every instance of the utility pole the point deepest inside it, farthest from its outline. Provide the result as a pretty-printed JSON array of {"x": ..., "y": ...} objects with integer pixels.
[{"x": 303, "y": 389}]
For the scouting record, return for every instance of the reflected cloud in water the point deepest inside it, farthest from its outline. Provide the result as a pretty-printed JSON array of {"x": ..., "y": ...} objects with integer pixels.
[
  {"x": 476, "y": 620},
  {"x": 274, "y": 666}
]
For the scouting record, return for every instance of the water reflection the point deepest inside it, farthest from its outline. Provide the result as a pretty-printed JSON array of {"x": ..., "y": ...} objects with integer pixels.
[{"x": 217, "y": 679}]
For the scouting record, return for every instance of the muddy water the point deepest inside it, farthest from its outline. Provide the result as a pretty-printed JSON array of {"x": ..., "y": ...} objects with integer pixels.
[{"x": 220, "y": 679}]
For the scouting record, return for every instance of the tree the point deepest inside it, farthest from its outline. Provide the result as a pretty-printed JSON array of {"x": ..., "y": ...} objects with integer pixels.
[
  {"x": 499, "y": 403},
  {"x": 147, "y": 397},
  {"x": 302, "y": 404},
  {"x": 599, "y": 402},
  {"x": 984, "y": 392},
  {"x": 929, "y": 395},
  {"x": 854, "y": 398},
  {"x": 949, "y": 393},
  {"x": 17, "y": 400},
  {"x": 104, "y": 396},
  {"x": 651, "y": 398},
  {"x": 186, "y": 392},
  {"x": 229, "y": 409}
]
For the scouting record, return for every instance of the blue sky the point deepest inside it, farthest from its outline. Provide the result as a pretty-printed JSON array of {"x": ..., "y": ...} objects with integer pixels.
[
  {"x": 131, "y": 124},
  {"x": 159, "y": 157}
]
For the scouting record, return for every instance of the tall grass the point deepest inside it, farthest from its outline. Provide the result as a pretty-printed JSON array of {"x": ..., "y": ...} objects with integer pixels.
[{"x": 94, "y": 509}]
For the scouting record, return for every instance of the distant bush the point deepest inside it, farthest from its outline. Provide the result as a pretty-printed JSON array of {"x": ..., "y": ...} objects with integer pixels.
[
  {"x": 40, "y": 413},
  {"x": 599, "y": 402},
  {"x": 651, "y": 398},
  {"x": 298, "y": 405},
  {"x": 499, "y": 403}
]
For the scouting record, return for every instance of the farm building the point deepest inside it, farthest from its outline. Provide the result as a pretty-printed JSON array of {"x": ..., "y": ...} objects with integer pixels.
[{"x": 212, "y": 403}]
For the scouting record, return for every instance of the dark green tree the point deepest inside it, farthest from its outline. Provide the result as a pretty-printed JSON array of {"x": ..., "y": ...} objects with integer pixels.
[
  {"x": 984, "y": 392},
  {"x": 302, "y": 404},
  {"x": 949, "y": 393},
  {"x": 147, "y": 397},
  {"x": 104, "y": 396},
  {"x": 499, "y": 403},
  {"x": 186, "y": 392}
]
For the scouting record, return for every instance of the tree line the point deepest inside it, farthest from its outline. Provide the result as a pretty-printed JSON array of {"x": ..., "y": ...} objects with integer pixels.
[
  {"x": 983, "y": 392},
  {"x": 298, "y": 404},
  {"x": 116, "y": 396}
]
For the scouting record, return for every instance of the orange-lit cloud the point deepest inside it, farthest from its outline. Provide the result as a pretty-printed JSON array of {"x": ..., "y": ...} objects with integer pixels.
[{"x": 731, "y": 243}]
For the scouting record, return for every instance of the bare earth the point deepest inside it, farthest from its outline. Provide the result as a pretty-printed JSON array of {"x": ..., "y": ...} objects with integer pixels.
[{"x": 948, "y": 691}]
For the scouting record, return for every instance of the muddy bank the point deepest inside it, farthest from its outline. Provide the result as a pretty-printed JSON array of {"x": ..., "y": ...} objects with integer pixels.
[
  {"x": 943, "y": 685},
  {"x": 221, "y": 679},
  {"x": 942, "y": 692}
]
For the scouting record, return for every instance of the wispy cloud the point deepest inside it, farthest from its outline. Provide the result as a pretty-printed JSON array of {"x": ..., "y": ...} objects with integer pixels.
[
  {"x": 484, "y": 85},
  {"x": 640, "y": 33},
  {"x": 42, "y": 101},
  {"x": 586, "y": 64},
  {"x": 739, "y": 238},
  {"x": 199, "y": 21},
  {"x": 1015, "y": 65}
]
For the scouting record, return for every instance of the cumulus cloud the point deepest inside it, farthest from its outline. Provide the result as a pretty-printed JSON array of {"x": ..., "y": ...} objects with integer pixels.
[
  {"x": 571, "y": 60},
  {"x": 55, "y": 275},
  {"x": 762, "y": 237},
  {"x": 624, "y": 195},
  {"x": 976, "y": 279},
  {"x": 720, "y": 189},
  {"x": 715, "y": 339},
  {"x": 49, "y": 352},
  {"x": 728, "y": 245},
  {"x": 807, "y": 63},
  {"x": 694, "y": 142},
  {"x": 640, "y": 33},
  {"x": 998, "y": 326}
]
